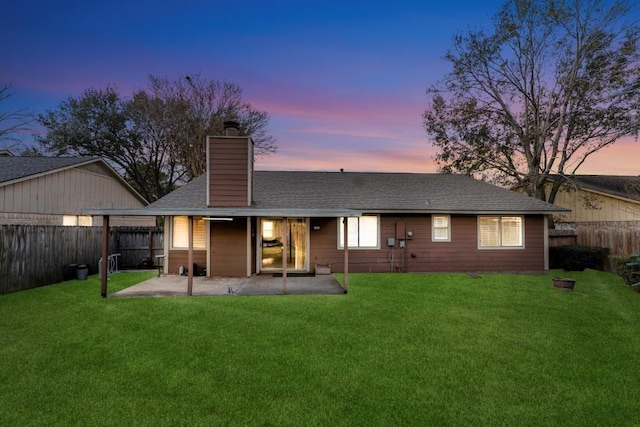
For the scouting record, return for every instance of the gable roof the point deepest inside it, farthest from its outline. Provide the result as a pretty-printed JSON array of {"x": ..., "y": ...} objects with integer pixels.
[
  {"x": 15, "y": 167},
  {"x": 627, "y": 187},
  {"x": 367, "y": 192}
]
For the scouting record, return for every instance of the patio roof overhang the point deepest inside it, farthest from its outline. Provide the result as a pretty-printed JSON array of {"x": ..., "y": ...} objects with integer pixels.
[
  {"x": 220, "y": 213},
  {"x": 226, "y": 212}
]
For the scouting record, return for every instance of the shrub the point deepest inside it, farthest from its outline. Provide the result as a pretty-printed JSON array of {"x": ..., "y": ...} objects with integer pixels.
[
  {"x": 577, "y": 257},
  {"x": 629, "y": 273}
]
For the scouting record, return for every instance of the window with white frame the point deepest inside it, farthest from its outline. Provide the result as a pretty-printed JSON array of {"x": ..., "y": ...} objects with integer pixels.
[
  {"x": 440, "y": 228},
  {"x": 500, "y": 232},
  {"x": 180, "y": 232},
  {"x": 363, "y": 232}
]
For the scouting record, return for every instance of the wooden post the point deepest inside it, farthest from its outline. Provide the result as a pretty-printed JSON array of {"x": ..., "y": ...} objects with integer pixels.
[
  {"x": 285, "y": 253},
  {"x": 104, "y": 268},
  {"x": 345, "y": 279},
  {"x": 151, "y": 259},
  {"x": 190, "y": 259}
]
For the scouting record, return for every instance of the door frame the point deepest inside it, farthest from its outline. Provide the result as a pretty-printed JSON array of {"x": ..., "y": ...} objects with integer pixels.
[{"x": 259, "y": 267}]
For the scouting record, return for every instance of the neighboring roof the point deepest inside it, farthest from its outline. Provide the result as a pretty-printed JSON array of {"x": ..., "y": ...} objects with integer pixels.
[
  {"x": 17, "y": 168},
  {"x": 14, "y": 167},
  {"x": 367, "y": 192},
  {"x": 627, "y": 187}
]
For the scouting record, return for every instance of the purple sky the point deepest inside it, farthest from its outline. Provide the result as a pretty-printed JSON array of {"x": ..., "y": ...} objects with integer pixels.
[{"x": 343, "y": 81}]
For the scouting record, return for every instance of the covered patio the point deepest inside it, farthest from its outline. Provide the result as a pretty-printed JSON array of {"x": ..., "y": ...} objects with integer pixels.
[{"x": 174, "y": 285}]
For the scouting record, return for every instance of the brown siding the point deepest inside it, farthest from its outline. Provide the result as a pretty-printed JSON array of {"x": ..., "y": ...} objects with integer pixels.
[
  {"x": 229, "y": 248},
  {"x": 229, "y": 168},
  {"x": 178, "y": 257},
  {"x": 423, "y": 255}
]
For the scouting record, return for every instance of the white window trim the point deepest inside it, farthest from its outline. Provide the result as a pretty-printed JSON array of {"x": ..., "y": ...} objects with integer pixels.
[
  {"x": 181, "y": 248},
  {"x": 433, "y": 229},
  {"x": 358, "y": 248},
  {"x": 502, "y": 248}
]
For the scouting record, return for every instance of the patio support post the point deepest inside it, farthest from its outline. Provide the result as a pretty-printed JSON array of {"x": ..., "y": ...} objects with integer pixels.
[
  {"x": 104, "y": 268},
  {"x": 285, "y": 253},
  {"x": 345, "y": 279},
  {"x": 190, "y": 259}
]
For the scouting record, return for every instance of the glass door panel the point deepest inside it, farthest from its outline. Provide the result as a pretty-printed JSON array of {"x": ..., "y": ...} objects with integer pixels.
[{"x": 272, "y": 243}]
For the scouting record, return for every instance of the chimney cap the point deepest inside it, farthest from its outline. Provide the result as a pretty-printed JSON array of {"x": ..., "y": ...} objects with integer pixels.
[
  {"x": 231, "y": 128},
  {"x": 231, "y": 124}
]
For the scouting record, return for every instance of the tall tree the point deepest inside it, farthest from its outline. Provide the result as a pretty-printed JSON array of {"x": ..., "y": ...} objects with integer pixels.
[
  {"x": 13, "y": 122},
  {"x": 198, "y": 107},
  {"x": 156, "y": 139},
  {"x": 553, "y": 83},
  {"x": 101, "y": 123}
]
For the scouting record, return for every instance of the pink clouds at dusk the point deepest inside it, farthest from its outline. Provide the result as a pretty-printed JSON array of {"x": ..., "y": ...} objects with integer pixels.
[{"x": 343, "y": 81}]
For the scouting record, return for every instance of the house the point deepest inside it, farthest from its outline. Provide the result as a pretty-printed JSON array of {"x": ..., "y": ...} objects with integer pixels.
[
  {"x": 54, "y": 190},
  {"x": 247, "y": 222},
  {"x": 605, "y": 211}
]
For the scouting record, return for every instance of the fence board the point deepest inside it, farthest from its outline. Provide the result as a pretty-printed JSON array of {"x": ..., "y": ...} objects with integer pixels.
[
  {"x": 621, "y": 237},
  {"x": 32, "y": 255}
]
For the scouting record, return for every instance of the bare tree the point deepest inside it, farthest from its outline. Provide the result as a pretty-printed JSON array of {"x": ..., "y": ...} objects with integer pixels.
[
  {"x": 555, "y": 82},
  {"x": 198, "y": 107},
  {"x": 12, "y": 122}
]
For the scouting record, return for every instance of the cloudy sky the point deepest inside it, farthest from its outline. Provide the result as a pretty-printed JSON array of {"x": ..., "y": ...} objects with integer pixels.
[{"x": 343, "y": 81}]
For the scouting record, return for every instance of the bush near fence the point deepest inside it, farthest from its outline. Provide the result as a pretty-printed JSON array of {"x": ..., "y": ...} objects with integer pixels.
[
  {"x": 32, "y": 255},
  {"x": 577, "y": 257}
]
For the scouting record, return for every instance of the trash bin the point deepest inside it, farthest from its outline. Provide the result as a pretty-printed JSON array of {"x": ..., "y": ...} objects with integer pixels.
[
  {"x": 69, "y": 272},
  {"x": 82, "y": 272}
]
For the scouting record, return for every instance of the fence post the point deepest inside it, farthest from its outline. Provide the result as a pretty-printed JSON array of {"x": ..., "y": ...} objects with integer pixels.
[{"x": 105, "y": 256}]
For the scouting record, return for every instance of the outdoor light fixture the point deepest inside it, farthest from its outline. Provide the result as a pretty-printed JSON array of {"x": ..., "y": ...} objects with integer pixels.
[{"x": 210, "y": 218}]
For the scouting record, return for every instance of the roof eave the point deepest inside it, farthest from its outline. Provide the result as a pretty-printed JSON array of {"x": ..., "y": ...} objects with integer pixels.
[{"x": 225, "y": 212}]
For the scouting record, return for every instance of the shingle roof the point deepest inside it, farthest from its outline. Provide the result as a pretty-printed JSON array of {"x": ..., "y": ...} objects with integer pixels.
[
  {"x": 622, "y": 186},
  {"x": 379, "y": 192},
  {"x": 12, "y": 168}
]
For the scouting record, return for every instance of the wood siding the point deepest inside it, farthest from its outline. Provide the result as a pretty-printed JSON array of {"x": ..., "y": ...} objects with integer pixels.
[
  {"x": 423, "y": 255},
  {"x": 230, "y": 169},
  {"x": 180, "y": 257},
  {"x": 67, "y": 192},
  {"x": 587, "y": 206},
  {"x": 228, "y": 243}
]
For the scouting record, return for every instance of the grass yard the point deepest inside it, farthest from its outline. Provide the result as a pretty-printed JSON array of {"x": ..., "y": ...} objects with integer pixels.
[{"x": 397, "y": 350}]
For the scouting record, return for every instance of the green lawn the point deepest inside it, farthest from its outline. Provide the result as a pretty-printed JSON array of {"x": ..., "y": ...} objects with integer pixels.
[{"x": 396, "y": 350}]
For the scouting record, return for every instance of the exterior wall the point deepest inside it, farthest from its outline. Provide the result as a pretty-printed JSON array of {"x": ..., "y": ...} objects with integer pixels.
[
  {"x": 230, "y": 245},
  {"x": 179, "y": 258},
  {"x": 50, "y": 219},
  {"x": 423, "y": 255},
  {"x": 592, "y": 207},
  {"x": 49, "y": 197},
  {"x": 230, "y": 169}
]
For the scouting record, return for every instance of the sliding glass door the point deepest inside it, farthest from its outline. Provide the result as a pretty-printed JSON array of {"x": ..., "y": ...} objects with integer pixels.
[{"x": 272, "y": 244}]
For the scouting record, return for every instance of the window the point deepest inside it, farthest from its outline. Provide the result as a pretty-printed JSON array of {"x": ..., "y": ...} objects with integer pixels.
[
  {"x": 77, "y": 220},
  {"x": 363, "y": 232},
  {"x": 441, "y": 228},
  {"x": 180, "y": 232},
  {"x": 500, "y": 232}
]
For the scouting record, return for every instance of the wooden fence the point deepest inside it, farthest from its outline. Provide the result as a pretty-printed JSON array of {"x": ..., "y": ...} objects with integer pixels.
[
  {"x": 32, "y": 256},
  {"x": 621, "y": 237},
  {"x": 138, "y": 246}
]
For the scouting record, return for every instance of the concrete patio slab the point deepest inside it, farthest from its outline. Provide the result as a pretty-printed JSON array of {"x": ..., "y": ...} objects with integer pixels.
[{"x": 173, "y": 285}]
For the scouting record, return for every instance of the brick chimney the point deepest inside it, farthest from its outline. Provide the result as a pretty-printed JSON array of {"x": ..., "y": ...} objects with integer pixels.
[{"x": 229, "y": 168}]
